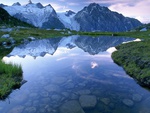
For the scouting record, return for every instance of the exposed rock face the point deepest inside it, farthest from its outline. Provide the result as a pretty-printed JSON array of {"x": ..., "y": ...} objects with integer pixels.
[
  {"x": 97, "y": 18},
  {"x": 69, "y": 13}
]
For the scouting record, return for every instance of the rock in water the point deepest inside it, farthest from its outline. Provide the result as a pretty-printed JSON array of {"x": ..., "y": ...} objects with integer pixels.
[
  {"x": 71, "y": 107},
  {"x": 136, "y": 97},
  {"x": 88, "y": 101},
  {"x": 128, "y": 102}
]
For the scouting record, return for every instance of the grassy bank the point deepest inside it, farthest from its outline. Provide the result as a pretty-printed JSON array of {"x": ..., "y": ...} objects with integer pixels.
[
  {"x": 10, "y": 78},
  {"x": 10, "y": 75},
  {"x": 135, "y": 59}
]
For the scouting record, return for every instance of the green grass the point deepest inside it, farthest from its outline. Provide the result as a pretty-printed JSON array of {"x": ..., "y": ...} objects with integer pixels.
[
  {"x": 134, "y": 57},
  {"x": 135, "y": 34},
  {"x": 10, "y": 78}
]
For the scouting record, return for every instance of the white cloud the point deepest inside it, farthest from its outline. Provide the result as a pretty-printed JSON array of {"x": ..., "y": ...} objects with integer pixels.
[
  {"x": 93, "y": 65},
  {"x": 139, "y": 10},
  {"x": 73, "y": 4}
]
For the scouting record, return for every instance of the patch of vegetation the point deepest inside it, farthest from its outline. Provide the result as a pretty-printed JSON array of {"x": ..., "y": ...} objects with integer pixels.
[
  {"x": 134, "y": 57},
  {"x": 135, "y": 34},
  {"x": 96, "y": 33},
  {"x": 10, "y": 78}
]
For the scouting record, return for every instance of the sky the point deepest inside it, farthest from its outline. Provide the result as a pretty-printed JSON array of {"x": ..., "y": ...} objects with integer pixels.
[{"x": 138, "y": 9}]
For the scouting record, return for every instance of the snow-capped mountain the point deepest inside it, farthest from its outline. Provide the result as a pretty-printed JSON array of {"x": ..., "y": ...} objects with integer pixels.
[
  {"x": 91, "y": 18},
  {"x": 97, "y": 18},
  {"x": 35, "y": 14}
]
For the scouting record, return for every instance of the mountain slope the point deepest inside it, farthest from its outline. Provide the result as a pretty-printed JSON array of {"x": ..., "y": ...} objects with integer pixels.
[
  {"x": 94, "y": 17},
  {"x": 6, "y": 19},
  {"x": 68, "y": 20},
  {"x": 35, "y": 14}
]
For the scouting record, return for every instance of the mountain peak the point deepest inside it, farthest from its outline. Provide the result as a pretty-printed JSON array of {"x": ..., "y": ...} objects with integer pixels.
[
  {"x": 99, "y": 18},
  {"x": 39, "y": 5},
  {"x": 30, "y": 2},
  {"x": 16, "y": 4},
  {"x": 69, "y": 13},
  {"x": 94, "y": 4},
  {"x": 49, "y": 5},
  {"x": 97, "y": 7},
  {"x": 2, "y": 5}
]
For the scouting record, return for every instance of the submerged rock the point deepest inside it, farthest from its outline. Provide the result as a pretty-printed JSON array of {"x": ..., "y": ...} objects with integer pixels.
[
  {"x": 106, "y": 101},
  {"x": 88, "y": 101},
  {"x": 30, "y": 110},
  {"x": 128, "y": 102},
  {"x": 56, "y": 97},
  {"x": 59, "y": 80},
  {"x": 83, "y": 92},
  {"x": 136, "y": 97},
  {"x": 17, "y": 109},
  {"x": 72, "y": 106},
  {"x": 52, "y": 88}
]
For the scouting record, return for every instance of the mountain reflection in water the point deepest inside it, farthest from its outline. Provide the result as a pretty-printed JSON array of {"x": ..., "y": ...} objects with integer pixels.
[
  {"x": 74, "y": 75},
  {"x": 88, "y": 44}
]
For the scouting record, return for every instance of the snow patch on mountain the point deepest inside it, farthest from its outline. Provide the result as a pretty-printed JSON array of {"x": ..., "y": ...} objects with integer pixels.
[{"x": 69, "y": 21}]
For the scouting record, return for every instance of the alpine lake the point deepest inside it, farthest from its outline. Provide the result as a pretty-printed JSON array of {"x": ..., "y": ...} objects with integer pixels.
[{"x": 74, "y": 74}]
